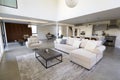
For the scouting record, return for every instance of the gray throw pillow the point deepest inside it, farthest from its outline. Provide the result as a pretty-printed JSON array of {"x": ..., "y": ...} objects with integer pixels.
[{"x": 63, "y": 41}]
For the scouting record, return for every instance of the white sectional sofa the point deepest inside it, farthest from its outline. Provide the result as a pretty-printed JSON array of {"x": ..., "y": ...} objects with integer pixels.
[{"x": 82, "y": 52}]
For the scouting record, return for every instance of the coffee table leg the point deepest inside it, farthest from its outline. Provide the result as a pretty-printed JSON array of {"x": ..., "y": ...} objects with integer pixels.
[
  {"x": 46, "y": 64},
  {"x": 35, "y": 55},
  {"x": 61, "y": 58}
]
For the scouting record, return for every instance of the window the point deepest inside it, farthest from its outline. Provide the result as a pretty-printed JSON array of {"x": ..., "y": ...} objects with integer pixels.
[
  {"x": 9, "y": 3},
  {"x": 34, "y": 29}
]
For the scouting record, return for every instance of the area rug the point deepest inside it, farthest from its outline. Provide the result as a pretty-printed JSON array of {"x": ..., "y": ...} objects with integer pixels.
[{"x": 31, "y": 69}]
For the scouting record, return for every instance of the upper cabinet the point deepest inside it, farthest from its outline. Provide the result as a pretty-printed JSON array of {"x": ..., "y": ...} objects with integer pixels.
[{"x": 100, "y": 27}]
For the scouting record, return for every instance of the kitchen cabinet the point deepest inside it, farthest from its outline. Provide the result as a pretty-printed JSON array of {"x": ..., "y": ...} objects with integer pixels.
[{"x": 100, "y": 27}]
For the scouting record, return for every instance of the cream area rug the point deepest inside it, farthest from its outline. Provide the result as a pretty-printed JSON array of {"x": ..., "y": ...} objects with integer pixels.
[{"x": 31, "y": 69}]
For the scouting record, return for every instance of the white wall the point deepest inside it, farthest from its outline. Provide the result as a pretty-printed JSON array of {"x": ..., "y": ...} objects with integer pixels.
[
  {"x": 43, "y": 30},
  {"x": 64, "y": 31},
  {"x": 41, "y": 9},
  {"x": 87, "y": 28},
  {"x": 57, "y": 9},
  {"x": 85, "y": 7}
]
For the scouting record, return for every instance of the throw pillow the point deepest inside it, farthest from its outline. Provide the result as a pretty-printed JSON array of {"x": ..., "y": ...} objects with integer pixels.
[
  {"x": 76, "y": 43},
  {"x": 63, "y": 41},
  {"x": 83, "y": 43},
  {"x": 91, "y": 45},
  {"x": 70, "y": 41}
]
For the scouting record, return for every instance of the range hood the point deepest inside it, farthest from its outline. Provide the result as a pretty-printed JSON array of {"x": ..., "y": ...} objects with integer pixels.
[{"x": 113, "y": 24}]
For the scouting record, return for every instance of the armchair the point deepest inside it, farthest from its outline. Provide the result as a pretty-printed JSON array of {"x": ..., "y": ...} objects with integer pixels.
[{"x": 33, "y": 42}]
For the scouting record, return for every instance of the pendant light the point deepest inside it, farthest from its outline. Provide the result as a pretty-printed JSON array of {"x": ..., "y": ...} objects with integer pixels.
[{"x": 71, "y": 3}]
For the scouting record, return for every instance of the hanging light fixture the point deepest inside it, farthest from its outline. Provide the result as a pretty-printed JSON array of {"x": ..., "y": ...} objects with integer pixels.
[{"x": 71, "y": 3}]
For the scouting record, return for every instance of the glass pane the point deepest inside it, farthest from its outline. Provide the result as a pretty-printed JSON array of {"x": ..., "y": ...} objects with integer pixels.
[{"x": 9, "y": 3}]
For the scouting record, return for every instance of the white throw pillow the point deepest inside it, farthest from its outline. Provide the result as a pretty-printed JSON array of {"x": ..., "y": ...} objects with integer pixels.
[
  {"x": 91, "y": 45},
  {"x": 76, "y": 44},
  {"x": 70, "y": 41},
  {"x": 83, "y": 43}
]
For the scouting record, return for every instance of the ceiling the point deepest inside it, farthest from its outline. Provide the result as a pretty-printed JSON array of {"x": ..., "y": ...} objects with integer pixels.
[
  {"x": 23, "y": 20},
  {"x": 100, "y": 16}
]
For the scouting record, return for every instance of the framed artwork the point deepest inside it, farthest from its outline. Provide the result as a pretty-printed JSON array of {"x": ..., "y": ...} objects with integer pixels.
[{"x": 9, "y": 3}]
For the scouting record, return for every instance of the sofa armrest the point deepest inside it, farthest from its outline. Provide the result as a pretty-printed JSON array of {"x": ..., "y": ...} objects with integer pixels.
[{"x": 101, "y": 48}]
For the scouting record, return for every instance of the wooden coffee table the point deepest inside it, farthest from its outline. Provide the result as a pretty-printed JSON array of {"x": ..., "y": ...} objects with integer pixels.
[{"x": 48, "y": 56}]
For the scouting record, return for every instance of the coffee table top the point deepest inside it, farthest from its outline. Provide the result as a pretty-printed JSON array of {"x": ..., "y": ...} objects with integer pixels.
[{"x": 51, "y": 54}]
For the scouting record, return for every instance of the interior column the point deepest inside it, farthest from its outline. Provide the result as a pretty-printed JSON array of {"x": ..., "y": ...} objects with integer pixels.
[{"x": 67, "y": 32}]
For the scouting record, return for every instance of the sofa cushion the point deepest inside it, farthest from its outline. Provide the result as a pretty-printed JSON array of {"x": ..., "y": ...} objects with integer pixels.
[
  {"x": 76, "y": 44},
  {"x": 91, "y": 45},
  {"x": 84, "y": 55}
]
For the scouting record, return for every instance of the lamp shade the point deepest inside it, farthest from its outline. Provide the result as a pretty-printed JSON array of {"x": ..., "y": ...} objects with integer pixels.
[{"x": 71, "y": 3}]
